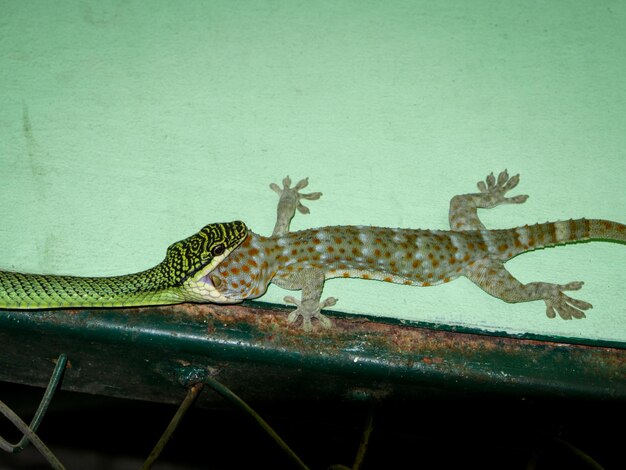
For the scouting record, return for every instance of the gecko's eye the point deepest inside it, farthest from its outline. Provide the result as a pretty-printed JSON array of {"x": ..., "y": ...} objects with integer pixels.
[{"x": 218, "y": 250}]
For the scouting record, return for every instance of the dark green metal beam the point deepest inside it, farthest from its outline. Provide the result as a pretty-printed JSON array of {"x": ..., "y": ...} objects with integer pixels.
[{"x": 154, "y": 353}]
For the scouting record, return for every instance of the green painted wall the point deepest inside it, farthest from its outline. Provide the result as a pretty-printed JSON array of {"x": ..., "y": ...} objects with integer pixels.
[{"x": 127, "y": 125}]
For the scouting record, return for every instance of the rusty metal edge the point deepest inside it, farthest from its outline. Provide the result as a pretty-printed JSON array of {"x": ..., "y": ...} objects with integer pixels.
[{"x": 394, "y": 356}]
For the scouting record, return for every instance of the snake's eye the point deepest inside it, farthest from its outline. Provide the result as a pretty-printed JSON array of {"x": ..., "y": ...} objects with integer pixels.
[{"x": 218, "y": 250}]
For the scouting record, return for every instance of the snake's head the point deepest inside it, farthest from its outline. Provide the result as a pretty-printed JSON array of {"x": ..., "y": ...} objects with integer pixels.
[{"x": 188, "y": 262}]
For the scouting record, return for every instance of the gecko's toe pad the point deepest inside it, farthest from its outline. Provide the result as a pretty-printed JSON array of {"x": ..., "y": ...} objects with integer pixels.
[
  {"x": 497, "y": 188},
  {"x": 309, "y": 310},
  {"x": 567, "y": 307}
]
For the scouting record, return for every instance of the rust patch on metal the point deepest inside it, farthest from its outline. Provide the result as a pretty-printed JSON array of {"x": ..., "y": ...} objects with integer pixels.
[{"x": 429, "y": 346}]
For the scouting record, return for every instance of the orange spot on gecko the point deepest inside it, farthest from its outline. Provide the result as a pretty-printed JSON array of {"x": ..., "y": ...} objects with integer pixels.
[
  {"x": 388, "y": 279},
  {"x": 338, "y": 240},
  {"x": 330, "y": 249},
  {"x": 377, "y": 253},
  {"x": 252, "y": 263},
  {"x": 316, "y": 240},
  {"x": 294, "y": 252},
  {"x": 416, "y": 263},
  {"x": 235, "y": 271},
  {"x": 366, "y": 276},
  {"x": 346, "y": 274},
  {"x": 425, "y": 284},
  {"x": 503, "y": 247}
]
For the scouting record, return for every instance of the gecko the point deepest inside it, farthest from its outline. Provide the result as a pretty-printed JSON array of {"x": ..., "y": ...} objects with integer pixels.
[
  {"x": 227, "y": 263},
  {"x": 304, "y": 260}
]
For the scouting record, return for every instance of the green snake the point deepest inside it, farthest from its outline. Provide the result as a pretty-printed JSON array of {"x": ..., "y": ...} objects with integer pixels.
[{"x": 178, "y": 278}]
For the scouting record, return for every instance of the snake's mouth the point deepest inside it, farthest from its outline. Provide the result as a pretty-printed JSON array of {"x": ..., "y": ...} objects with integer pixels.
[{"x": 206, "y": 285}]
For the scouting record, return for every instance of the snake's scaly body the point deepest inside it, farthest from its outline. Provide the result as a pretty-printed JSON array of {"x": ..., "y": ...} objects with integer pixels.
[{"x": 178, "y": 278}]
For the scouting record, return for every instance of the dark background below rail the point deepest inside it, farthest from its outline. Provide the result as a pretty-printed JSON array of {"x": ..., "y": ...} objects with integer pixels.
[{"x": 434, "y": 431}]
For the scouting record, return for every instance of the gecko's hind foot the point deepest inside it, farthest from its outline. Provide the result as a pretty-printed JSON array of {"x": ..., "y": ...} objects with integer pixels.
[
  {"x": 293, "y": 194},
  {"x": 497, "y": 189},
  {"x": 308, "y": 310},
  {"x": 564, "y": 305}
]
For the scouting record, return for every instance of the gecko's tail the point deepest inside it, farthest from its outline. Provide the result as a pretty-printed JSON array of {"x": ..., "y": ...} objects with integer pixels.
[
  {"x": 606, "y": 229},
  {"x": 531, "y": 237}
]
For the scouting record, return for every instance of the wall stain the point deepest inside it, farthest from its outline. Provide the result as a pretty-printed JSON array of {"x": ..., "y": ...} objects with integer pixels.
[
  {"x": 103, "y": 15},
  {"x": 31, "y": 144},
  {"x": 33, "y": 152}
]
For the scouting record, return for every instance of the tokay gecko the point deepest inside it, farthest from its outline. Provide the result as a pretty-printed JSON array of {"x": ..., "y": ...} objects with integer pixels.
[
  {"x": 303, "y": 260},
  {"x": 227, "y": 263}
]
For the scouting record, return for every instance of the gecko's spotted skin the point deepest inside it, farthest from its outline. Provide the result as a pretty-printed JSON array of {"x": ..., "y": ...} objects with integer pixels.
[{"x": 304, "y": 260}]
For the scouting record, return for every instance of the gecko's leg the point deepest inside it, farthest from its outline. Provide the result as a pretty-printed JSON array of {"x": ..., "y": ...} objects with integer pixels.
[
  {"x": 311, "y": 281},
  {"x": 463, "y": 208},
  {"x": 491, "y": 276},
  {"x": 289, "y": 202}
]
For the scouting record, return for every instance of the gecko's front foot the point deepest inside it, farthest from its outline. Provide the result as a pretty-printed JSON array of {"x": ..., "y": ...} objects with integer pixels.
[
  {"x": 496, "y": 190},
  {"x": 293, "y": 195},
  {"x": 288, "y": 203},
  {"x": 564, "y": 305},
  {"x": 309, "y": 309}
]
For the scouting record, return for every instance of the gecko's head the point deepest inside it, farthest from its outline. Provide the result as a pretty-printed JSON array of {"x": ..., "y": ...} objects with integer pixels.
[{"x": 202, "y": 252}]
